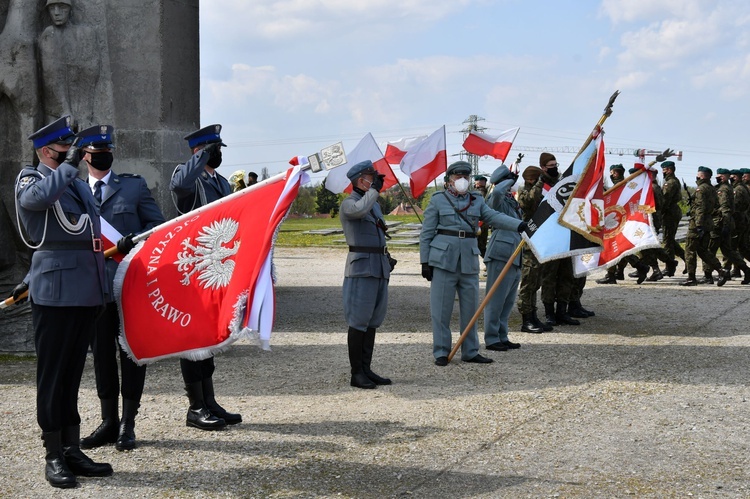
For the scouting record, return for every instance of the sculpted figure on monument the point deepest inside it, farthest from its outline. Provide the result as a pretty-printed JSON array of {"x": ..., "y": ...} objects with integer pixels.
[{"x": 75, "y": 69}]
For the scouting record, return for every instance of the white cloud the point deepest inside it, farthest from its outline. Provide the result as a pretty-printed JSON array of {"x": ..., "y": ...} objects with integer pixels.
[{"x": 624, "y": 11}]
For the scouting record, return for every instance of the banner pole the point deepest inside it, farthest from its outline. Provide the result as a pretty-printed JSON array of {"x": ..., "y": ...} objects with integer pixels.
[{"x": 487, "y": 298}]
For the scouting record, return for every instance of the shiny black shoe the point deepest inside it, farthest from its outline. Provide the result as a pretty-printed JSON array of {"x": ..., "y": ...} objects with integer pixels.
[
  {"x": 57, "y": 473},
  {"x": 633, "y": 274},
  {"x": 378, "y": 380},
  {"x": 105, "y": 434},
  {"x": 126, "y": 438},
  {"x": 82, "y": 465},
  {"x": 441, "y": 361},
  {"x": 203, "y": 420},
  {"x": 497, "y": 347},
  {"x": 608, "y": 279},
  {"x": 690, "y": 281},
  {"x": 479, "y": 359},
  {"x": 510, "y": 345},
  {"x": 656, "y": 275},
  {"x": 360, "y": 380},
  {"x": 723, "y": 278}
]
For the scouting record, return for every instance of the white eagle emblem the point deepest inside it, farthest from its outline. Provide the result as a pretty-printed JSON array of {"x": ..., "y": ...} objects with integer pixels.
[{"x": 210, "y": 258}]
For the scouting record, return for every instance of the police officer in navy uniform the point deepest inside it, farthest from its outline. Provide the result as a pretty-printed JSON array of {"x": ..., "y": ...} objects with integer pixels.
[
  {"x": 449, "y": 255},
  {"x": 127, "y": 205},
  {"x": 59, "y": 220},
  {"x": 194, "y": 184},
  {"x": 367, "y": 271}
]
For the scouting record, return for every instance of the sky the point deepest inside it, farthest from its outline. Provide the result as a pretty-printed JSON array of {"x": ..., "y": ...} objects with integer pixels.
[{"x": 290, "y": 77}]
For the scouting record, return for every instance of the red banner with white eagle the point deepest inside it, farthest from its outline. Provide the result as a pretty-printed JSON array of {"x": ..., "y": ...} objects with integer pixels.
[{"x": 205, "y": 279}]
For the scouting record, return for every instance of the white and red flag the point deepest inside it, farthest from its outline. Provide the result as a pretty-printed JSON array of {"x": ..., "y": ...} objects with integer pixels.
[
  {"x": 337, "y": 181},
  {"x": 628, "y": 226},
  {"x": 110, "y": 236},
  {"x": 205, "y": 279},
  {"x": 396, "y": 150},
  {"x": 425, "y": 161},
  {"x": 584, "y": 209},
  {"x": 498, "y": 146}
]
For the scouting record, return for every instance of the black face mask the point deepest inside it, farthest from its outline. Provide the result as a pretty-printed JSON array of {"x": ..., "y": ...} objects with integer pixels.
[
  {"x": 552, "y": 172},
  {"x": 60, "y": 156},
  {"x": 698, "y": 179},
  {"x": 214, "y": 160},
  {"x": 101, "y": 161}
]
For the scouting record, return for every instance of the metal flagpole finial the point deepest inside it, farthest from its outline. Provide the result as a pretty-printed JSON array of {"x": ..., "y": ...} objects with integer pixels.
[{"x": 608, "y": 109}]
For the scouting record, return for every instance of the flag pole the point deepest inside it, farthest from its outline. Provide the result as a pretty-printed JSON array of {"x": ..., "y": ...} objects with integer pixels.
[
  {"x": 487, "y": 298},
  {"x": 403, "y": 191}
]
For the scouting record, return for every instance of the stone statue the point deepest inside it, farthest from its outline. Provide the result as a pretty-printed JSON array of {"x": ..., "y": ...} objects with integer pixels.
[{"x": 75, "y": 69}]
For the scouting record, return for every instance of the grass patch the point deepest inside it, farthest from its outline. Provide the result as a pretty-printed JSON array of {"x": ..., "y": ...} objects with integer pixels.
[
  {"x": 10, "y": 357},
  {"x": 292, "y": 231}
]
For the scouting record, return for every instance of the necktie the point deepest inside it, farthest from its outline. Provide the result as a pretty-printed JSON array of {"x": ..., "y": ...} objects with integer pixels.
[{"x": 98, "y": 191}]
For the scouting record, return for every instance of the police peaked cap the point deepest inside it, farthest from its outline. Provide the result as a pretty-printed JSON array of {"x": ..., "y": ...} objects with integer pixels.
[
  {"x": 617, "y": 167},
  {"x": 500, "y": 173},
  {"x": 706, "y": 169},
  {"x": 722, "y": 171},
  {"x": 361, "y": 168},
  {"x": 58, "y": 132},
  {"x": 207, "y": 135},
  {"x": 459, "y": 168},
  {"x": 96, "y": 138},
  {"x": 668, "y": 164},
  {"x": 53, "y": 2}
]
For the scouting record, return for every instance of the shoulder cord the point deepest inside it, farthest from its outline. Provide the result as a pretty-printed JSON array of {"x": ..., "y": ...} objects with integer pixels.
[
  {"x": 199, "y": 194},
  {"x": 460, "y": 212},
  {"x": 72, "y": 229}
]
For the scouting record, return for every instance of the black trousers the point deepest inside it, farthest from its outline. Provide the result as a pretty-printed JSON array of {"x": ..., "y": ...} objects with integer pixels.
[
  {"x": 105, "y": 346},
  {"x": 196, "y": 370},
  {"x": 61, "y": 339}
]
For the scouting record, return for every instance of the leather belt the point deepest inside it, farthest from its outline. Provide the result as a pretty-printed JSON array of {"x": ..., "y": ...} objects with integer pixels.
[
  {"x": 94, "y": 244},
  {"x": 369, "y": 249},
  {"x": 461, "y": 234}
]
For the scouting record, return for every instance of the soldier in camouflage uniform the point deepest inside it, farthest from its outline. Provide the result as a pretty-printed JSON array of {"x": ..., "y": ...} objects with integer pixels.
[
  {"x": 740, "y": 217},
  {"x": 671, "y": 214},
  {"x": 705, "y": 201},
  {"x": 531, "y": 278},
  {"x": 650, "y": 256},
  {"x": 721, "y": 234}
]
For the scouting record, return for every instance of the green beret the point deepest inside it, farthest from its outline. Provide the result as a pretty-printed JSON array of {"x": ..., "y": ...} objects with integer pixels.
[
  {"x": 722, "y": 171},
  {"x": 617, "y": 167},
  {"x": 480, "y": 177},
  {"x": 632, "y": 170},
  {"x": 668, "y": 164},
  {"x": 735, "y": 172},
  {"x": 705, "y": 169},
  {"x": 745, "y": 170},
  {"x": 459, "y": 168}
]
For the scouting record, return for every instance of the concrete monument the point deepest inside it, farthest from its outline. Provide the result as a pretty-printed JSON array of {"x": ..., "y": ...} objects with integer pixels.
[{"x": 91, "y": 59}]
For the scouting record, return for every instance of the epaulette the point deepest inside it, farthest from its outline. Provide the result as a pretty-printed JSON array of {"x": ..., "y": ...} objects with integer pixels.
[{"x": 129, "y": 175}]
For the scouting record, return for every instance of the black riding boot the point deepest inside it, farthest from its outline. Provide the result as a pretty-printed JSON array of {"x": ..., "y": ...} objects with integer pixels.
[
  {"x": 106, "y": 432},
  {"x": 56, "y": 470},
  {"x": 198, "y": 415},
  {"x": 78, "y": 462},
  {"x": 126, "y": 437},
  {"x": 355, "y": 342},
  {"x": 214, "y": 407},
  {"x": 367, "y": 348}
]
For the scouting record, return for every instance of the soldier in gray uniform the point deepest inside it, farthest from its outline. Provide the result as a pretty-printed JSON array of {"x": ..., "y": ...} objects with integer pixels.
[
  {"x": 367, "y": 271},
  {"x": 449, "y": 255},
  {"x": 127, "y": 205},
  {"x": 67, "y": 284},
  {"x": 501, "y": 246},
  {"x": 194, "y": 184},
  {"x": 699, "y": 229}
]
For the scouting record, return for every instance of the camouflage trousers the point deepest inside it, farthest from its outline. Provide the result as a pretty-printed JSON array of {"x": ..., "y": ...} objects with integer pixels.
[
  {"x": 669, "y": 232},
  {"x": 696, "y": 246},
  {"x": 557, "y": 281},
  {"x": 531, "y": 281}
]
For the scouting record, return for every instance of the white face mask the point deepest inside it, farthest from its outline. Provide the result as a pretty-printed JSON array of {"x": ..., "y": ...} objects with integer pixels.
[{"x": 461, "y": 185}]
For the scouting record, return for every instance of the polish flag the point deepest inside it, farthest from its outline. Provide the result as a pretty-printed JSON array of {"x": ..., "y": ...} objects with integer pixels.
[
  {"x": 337, "y": 181},
  {"x": 299, "y": 161},
  {"x": 396, "y": 150},
  {"x": 486, "y": 145},
  {"x": 110, "y": 236},
  {"x": 425, "y": 161}
]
